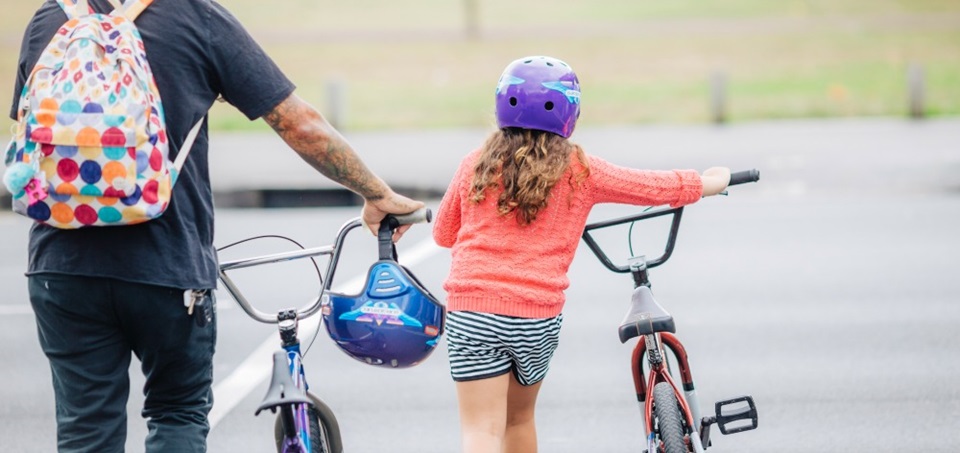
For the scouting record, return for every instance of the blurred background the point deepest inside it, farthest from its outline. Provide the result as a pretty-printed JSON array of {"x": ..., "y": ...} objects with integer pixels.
[
  {"x": 374, "y": 65},
  {"x": 828, "y": 291}
]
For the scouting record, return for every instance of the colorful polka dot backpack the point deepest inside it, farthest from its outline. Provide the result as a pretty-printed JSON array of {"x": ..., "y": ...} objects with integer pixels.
[{"x": 91, "y": 145}]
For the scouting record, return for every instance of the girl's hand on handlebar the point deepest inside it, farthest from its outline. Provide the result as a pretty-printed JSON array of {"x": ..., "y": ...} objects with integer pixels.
[
  {"x": 392, "y": 203},
  {"x": 715, "y": 180}
]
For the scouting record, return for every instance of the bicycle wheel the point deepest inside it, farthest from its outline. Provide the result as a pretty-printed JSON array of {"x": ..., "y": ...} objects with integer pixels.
[
  {"x": 668, "y": 422},
  {"x": 324, "y": 429}
]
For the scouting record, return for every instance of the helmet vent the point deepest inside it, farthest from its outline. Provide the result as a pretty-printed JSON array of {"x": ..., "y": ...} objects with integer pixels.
[
  {"x": 548, "y": 106},
  {"x": 549, "y": 64},
  {"x": 513, "y": 102}
]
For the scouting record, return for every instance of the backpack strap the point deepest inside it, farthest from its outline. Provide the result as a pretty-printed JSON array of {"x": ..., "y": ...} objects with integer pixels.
[
  {"x": 74, "y": 8},
  {"x": 185, "y": 148},
  {"x": 130, "y": 8}
]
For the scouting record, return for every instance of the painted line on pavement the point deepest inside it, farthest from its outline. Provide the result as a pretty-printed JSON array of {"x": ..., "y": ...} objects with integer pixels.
[
  {"x": 10, "y": 310},
  {"x": 257, "y": 367}
]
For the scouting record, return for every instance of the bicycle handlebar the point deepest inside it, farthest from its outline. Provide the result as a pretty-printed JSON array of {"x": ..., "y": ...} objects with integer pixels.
[
  {"x": 743, "y": 177},
  {"x": 668, "y": 250},
  {"x": 740, "y": 177},
  {"x": 422, "y": 215}
]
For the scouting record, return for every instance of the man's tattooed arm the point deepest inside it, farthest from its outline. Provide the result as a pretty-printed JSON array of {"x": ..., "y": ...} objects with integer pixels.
[{"x": 317, "y": 142}]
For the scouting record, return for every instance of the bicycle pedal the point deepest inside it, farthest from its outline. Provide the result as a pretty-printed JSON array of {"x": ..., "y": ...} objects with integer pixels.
[{"x": 736, "y": 415}]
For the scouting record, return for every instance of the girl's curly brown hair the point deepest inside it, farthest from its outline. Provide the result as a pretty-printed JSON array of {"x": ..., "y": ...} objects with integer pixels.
[{"x": 527, "y": 164}]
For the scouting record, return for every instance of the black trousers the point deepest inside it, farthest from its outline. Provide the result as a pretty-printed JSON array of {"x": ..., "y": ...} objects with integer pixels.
[{"x": 88, "y": 328}]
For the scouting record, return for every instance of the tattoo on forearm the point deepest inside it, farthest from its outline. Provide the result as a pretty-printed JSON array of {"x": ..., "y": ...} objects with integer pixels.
[{"x": 322, "y": 147}]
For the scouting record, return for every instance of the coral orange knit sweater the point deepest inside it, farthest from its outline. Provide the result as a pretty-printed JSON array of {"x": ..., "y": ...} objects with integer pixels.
[{"x": 502, "y": 267}]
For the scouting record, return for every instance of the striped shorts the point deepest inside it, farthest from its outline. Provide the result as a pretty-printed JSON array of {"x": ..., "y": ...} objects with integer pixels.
[{"x": 484, "y": 345}]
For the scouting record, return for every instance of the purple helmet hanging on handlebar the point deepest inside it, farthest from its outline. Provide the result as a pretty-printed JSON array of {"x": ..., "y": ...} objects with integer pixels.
[{"x": 540, "y": 93}]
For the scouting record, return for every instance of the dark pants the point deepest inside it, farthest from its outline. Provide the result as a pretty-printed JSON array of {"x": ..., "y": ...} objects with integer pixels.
[{"x": 88, "y": 327}]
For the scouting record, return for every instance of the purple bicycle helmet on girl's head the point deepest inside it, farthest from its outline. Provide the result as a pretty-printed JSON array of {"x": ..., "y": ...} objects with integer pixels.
[{"x": 540, "y": 93}]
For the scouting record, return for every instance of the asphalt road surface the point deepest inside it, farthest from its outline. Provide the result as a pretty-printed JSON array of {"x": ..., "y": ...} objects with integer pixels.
[{"x": 828, "y": 291}]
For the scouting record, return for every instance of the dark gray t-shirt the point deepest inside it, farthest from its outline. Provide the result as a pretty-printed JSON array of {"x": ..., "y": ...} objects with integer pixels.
[{"x": 198, "y": 52}]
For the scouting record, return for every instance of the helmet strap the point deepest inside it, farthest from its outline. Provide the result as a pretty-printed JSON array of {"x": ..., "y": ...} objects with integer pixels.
[{"x": 388, "y": 250}]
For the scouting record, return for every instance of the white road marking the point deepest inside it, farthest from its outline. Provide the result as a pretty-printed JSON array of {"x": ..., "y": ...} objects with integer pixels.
[
  {"x": 256, "y": 368},
  {"x": 22, "y": 309}
]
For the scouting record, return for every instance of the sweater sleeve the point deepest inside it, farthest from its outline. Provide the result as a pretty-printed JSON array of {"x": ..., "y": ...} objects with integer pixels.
[
  {"x": 610, "y": 183},
  {"x": 447, "y": 224}
]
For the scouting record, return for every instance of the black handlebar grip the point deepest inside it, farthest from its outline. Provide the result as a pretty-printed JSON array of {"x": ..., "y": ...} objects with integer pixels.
[
  {"x": 422, "y": 215},
  {"x": 743, "y": 177}
]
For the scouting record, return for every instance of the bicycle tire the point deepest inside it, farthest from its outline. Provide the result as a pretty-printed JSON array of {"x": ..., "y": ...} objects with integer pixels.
[
  {"x": 668, "y": 422},
  {"x": 324, "y": 429}
]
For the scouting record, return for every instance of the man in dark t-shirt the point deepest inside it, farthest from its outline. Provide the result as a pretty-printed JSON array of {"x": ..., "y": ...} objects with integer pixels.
[{"x": 100, "y": 293}]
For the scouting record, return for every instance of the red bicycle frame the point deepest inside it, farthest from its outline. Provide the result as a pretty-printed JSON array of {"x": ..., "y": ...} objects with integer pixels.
[{"x": 660, "y": 373}]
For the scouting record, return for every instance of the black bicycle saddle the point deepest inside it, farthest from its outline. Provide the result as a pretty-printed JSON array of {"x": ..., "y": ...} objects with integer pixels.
[
  {"x": 282, "y": 390},
  {"x": 645, "y": 317}
]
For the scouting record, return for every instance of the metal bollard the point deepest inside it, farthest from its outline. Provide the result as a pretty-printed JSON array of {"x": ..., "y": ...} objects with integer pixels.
[
  {"x": 718, "y": 97},
  {"x": 916, "y": 91},
  {"x": 336, "y": 103},
  {"x": 471, "y": 14}
]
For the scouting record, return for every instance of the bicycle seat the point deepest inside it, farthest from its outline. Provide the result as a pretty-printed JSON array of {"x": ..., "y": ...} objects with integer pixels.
[
  {"x": 282, "y": 390},
  {"x": 645, "y": 317}
]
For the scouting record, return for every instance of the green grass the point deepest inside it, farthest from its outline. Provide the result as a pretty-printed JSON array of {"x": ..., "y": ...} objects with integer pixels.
[{"x": 410, "y": 64}]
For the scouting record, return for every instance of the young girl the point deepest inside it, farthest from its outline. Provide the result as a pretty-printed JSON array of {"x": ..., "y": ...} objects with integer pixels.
[{"x": 513, "y": 216}]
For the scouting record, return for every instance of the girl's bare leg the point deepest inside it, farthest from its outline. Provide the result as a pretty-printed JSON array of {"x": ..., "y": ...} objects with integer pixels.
[
  {"x": 521, "y": 432},
  {"x": 483, "y": 413}
]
